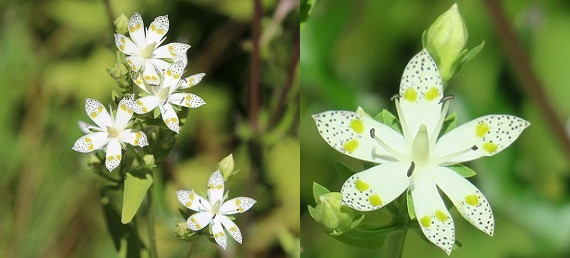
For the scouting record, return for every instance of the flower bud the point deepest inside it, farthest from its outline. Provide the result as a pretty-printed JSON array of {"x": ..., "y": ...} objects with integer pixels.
[
  {"x": 226, "y": 166},
  {"x": 336, "y": 218},
  {"x": 121, "y": 24},
  {"x": 148, "y": 160},
  {"x": 445, "y": 41},
  {"x": 118, "y": 71},
  {"x": 182, "y": 231}
]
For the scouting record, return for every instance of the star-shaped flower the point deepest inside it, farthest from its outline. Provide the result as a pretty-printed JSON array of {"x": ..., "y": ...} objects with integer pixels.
[
  {"x": 417, "y": 159},
  {"x": 144, "y": 51},
  {"x": 109, "y": 131},
  {"x": 164, "y": 95},
  {"x": 214, "y": 210}
]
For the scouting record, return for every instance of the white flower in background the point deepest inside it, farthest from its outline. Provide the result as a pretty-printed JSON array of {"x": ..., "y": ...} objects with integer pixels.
[
  {"x": 214, "y": 210},
  {"x": 109, "y": 131},
  {"x": 417, "y": 159},
  {"x": 143, "y": 51},
  {"x": 165, "y": 94}
]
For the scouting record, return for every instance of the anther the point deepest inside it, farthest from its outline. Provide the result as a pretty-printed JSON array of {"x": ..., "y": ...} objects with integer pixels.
[
  {"x": 474, "y": 147},
  {"x": 446, "y": 98},
  {"x": 396, "y": 96},
  {"x": 372, "y": 133},
  {"x": 411, "y": 169}
]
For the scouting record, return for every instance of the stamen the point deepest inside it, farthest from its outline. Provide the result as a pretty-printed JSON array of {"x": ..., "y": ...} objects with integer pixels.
[
  {"x": 411, "y": 169},
  {"x": 204, "y": 206},
  {"x": 451, "y": 156},
  {"x": 386, "y": 147},
  {"x": 395, "y": 96},
  {"x": 435, "y": 133},
  {"x": 405, "y": 129}
]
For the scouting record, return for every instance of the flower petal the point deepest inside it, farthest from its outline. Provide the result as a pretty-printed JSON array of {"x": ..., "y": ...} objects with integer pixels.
[
  {"x": 135, "y": 62},
  {"x": 192, "y": 201},
  {"x": 190, "y": 81},
  {"x": 136, "y": 30},
  {"x": 375, "y": 187},
  {"x": 170, "y": 118},
  {"x": 157, "y": 30},
  {"x": 432, "y": 215},
  {"x": 91, "y": 142},
  {"x": 172, "y": 75},
  {"x": 134, "y": 137},
  {"x": 491, "y": 134},
  {"x": 126, "y": 45},
  {"x": 159, "y": 64},
  {"x": 113, "y": 154},
  {"x": 98, "y": 113},
  {"x": 186, "y": 100},
  {"x": 216, "y": 188},
  {"x": 199, "y": 220},
  {"x": 468, "y": 200},
  {"x": 150, "y": 74},
  {"x": 421, "y": 91},
  {"x": 350, "y": 133},
  {"x": 145, "y": 104},
  {"x": 237, "y": 205},
  {"x": 124, "y": 112},
  {"x": 231, "y": 227},
  {"x": 218, "y": 232},
  {"x": 172, "y": 50},
  {"x": 138, "y": 80}
]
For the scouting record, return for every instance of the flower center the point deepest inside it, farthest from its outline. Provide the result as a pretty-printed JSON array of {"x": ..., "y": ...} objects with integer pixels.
[
  {"x": 163, "y": 94},
  {"x": 216, "y": 208},
  {"x": 112, "y": 131},
  {"x": 420, "y": 147},
  {"x": 148, "y": 50}
]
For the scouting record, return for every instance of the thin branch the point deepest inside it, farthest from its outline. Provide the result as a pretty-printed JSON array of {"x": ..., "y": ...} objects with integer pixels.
[
  {"x": 521, "y": 65},
  {"x": 110, "y": 14},
  {"x": 291, "y": 72},
  {"x": 255, "y": 67}
]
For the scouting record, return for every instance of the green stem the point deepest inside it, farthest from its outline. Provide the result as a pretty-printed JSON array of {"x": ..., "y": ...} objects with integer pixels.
[
  {"x": 395, "y": 245},
  {"x": 193, "y": 247},
  {"x": 150, "y": 221}
]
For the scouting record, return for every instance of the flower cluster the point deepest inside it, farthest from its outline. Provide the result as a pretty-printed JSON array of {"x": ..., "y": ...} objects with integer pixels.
[
  {"x": 157, "y": 71},
  {"x": 418, "y": 159}
]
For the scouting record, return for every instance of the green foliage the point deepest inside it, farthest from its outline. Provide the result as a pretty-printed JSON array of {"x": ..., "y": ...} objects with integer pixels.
[
  {"x": 136, "y": 186},
  {"x": 463, "y": 170},
  {"x": 389, "y": 119},
  {"x": 306, "y": 8}
]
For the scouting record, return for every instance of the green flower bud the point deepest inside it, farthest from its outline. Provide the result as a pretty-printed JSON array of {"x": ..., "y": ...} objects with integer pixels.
[
  {"x": 336, "y": 218},
  {"x": 118, "y": 71},
  {"x": 182, "y": 231},
  {"x": 445, "y": 41},
  {"x": 226, "y": 166},
  {"x": 121, "y": 24},
  {"x": 148, "y": 160}
]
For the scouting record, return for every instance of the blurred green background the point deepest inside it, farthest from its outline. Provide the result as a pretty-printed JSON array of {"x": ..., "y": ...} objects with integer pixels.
[
  {"x": 353, "y": 54},
  {"x": 53, "y": 54}
]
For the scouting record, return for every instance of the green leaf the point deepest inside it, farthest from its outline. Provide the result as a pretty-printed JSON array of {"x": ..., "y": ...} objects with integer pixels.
[
  {"x": 410, "y": 204},
  {"x": 472, "y": 52},
  {"x": 318, "y": 190},
  {"x": 449, "y": 123},
  {"x": 357, "y": 222},
  {"x": 156, "y": 113},
  {"x": 311, "y": 211},
  {"x": 389, "y": 119},
  {"x": 306, "y": 8},
  {"x": 184, "y": 214},
  {"x": 136, "y": 185},
  {"x": 463, "y": 170}
]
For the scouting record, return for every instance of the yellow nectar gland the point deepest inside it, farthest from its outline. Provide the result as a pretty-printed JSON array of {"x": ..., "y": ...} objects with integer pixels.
[
  {"x": 481, "y": 129},
  {"x": 357, "y": 126},
  {"x": 431, "y": 94},
  {"x": 410, "y": 95},
  {"x": 375, "y": 200},
  {"x": 351, "y": 145},
  {"x": 425, "y": 221},
  {"x": 472, "y": 199},
  {"x": 441, "y": 216},
  {"x": 361, "y": 185},
  {"x": 490, "y": 147}
]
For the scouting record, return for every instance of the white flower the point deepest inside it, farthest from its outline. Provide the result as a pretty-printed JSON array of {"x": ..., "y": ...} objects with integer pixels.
[
  {"x": 417, "y": 159},
  {"x": 109, "y": 131},
  {"x": 214, "y": 210},
  {"x": 164, "y": 95},
  {"x": 144, "y": 53}
]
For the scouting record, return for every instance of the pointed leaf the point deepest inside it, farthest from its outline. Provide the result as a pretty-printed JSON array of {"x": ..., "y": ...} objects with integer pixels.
[
  {"x": 410, "y": 204},
  {"x": 449, "y": 123},
  {"x": 389, "y": 119},
  {"x": 136, "y": 185},
  {"x": 463, "y": 170}
]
